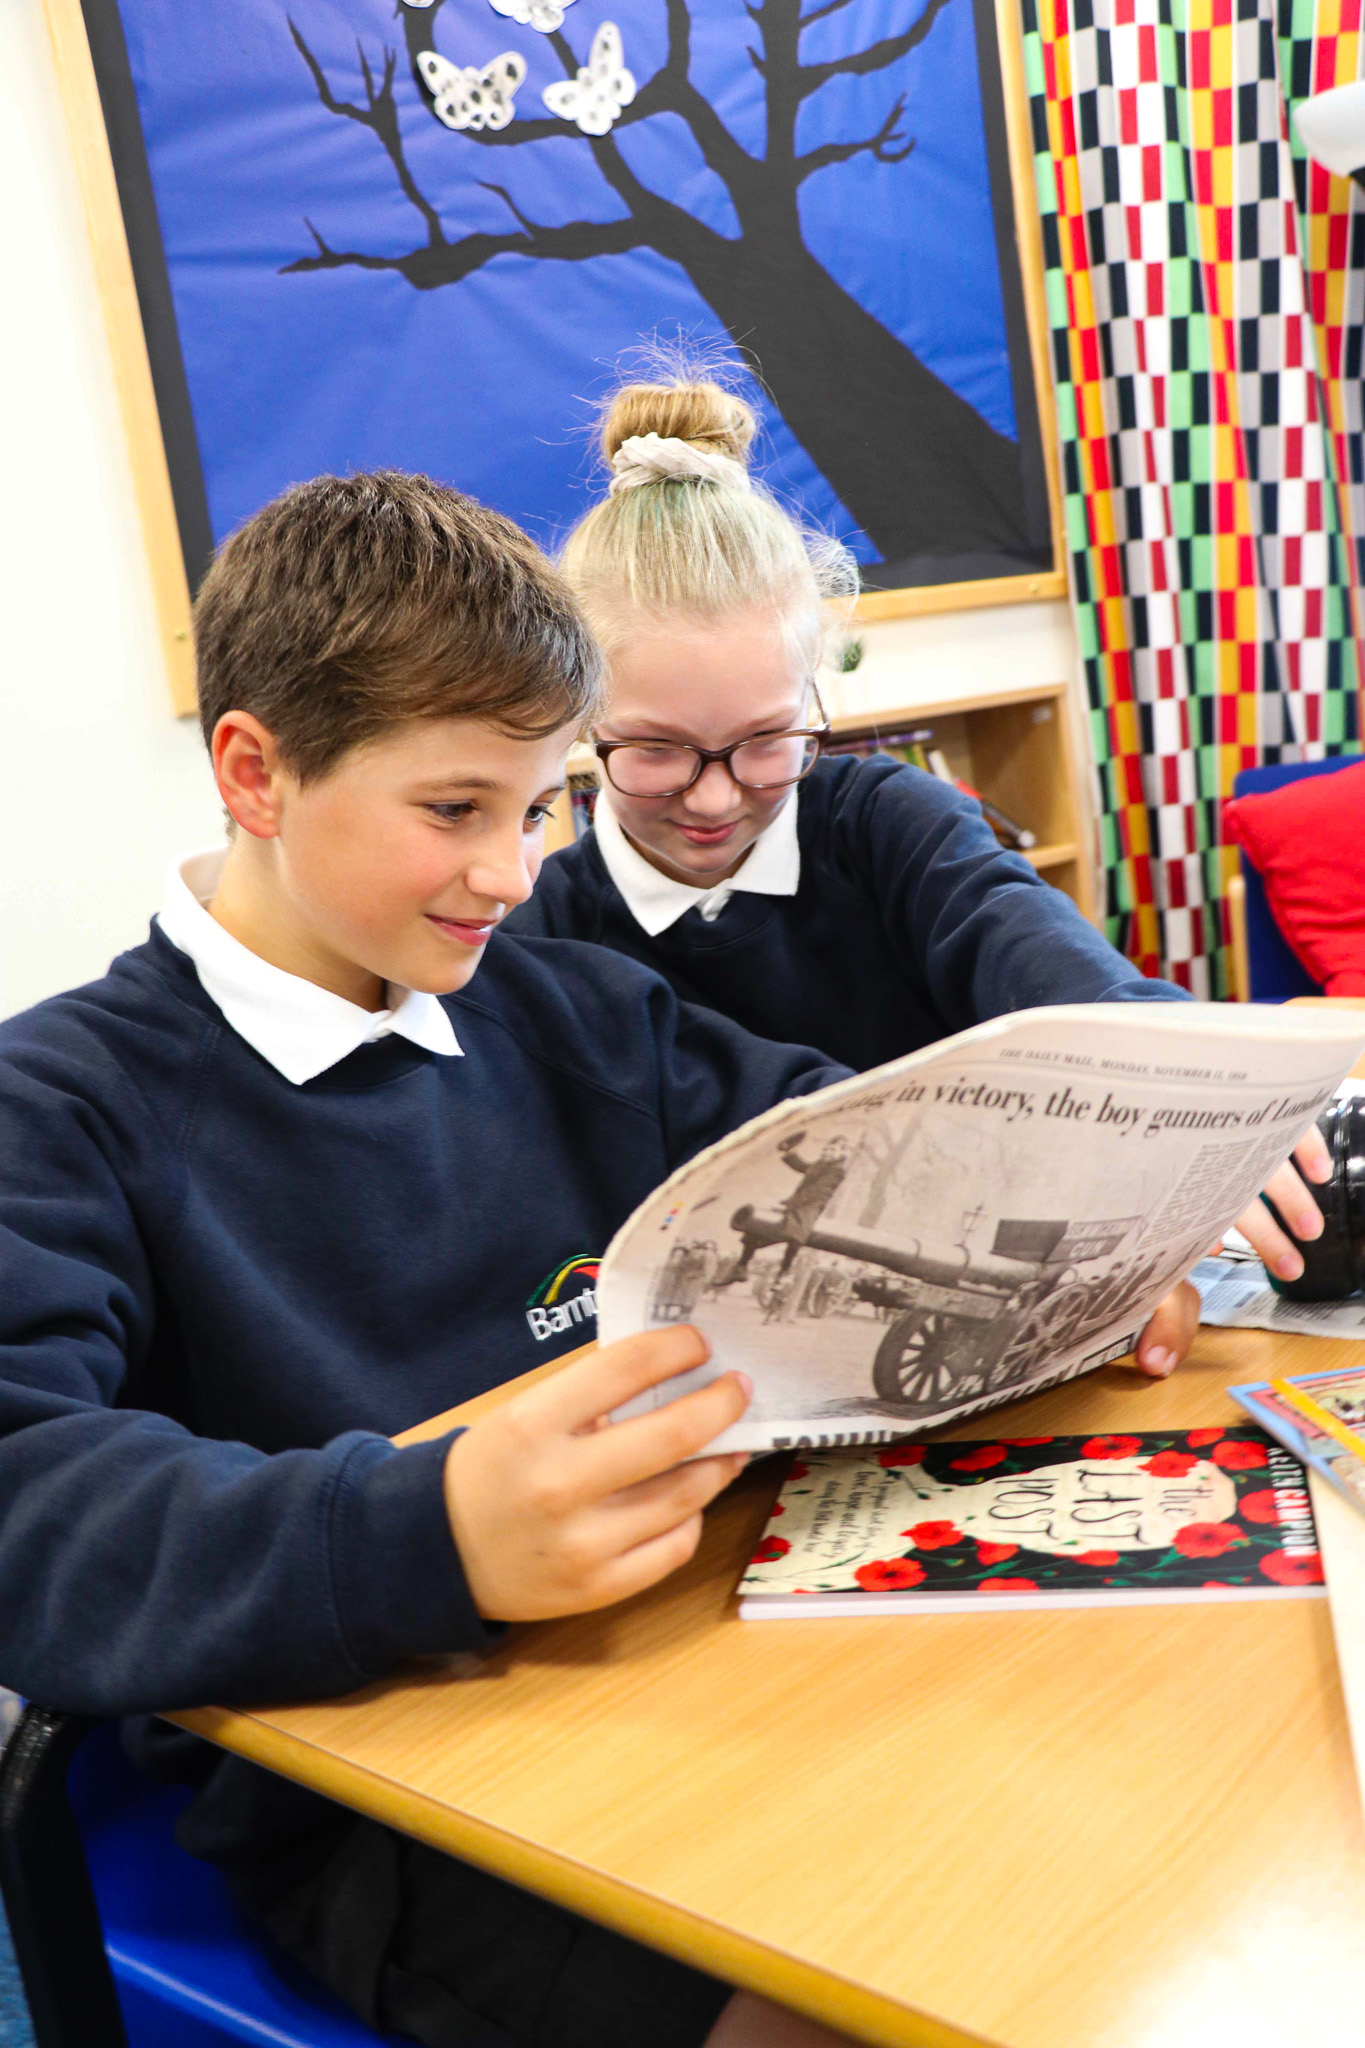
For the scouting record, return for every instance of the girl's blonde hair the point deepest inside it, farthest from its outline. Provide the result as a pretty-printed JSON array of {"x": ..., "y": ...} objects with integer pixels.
[{"x": 693, "y": 545}]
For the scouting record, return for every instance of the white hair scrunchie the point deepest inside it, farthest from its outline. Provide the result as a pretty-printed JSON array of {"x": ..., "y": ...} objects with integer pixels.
[{"x": 651, "y": 459}]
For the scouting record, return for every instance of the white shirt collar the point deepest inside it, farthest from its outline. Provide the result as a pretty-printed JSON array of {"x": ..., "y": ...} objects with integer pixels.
[
  {"x": 300, "y": 1028},
  {"x": 655, "y": 901}
]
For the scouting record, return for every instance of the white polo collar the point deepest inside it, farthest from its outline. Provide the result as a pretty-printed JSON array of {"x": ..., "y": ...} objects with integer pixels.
[
  {"x": 300, "y": 1028},
  {"x": 771, "y": 868}
]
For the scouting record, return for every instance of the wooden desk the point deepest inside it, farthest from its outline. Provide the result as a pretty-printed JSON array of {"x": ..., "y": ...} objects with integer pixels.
[{"x": 1134, "y": 1829}]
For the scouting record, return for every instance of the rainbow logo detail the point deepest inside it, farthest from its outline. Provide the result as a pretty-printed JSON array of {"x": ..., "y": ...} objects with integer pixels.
[{"x": 553, "y": 1285}]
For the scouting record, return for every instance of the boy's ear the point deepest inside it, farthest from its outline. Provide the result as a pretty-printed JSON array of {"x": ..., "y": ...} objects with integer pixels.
[{"x": 249, "y": 773}]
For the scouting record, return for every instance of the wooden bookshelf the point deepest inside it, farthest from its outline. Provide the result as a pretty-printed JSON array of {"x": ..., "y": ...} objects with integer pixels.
[
  {"x": 1016, "y": 746},
  {"x": 1059, "y": 856},
  {"x": 559, "y": 824}
]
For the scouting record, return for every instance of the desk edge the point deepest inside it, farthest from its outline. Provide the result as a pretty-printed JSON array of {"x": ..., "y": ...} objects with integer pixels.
[{"x": 736, "y": 1959}]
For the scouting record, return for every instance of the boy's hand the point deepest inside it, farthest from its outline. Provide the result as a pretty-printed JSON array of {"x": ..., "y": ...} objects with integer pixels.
[
  {"x": 1169, "y": 1332},
  {"x": 555, "y": 1511}
]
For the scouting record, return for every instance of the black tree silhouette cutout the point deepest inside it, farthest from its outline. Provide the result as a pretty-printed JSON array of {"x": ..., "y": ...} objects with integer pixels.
[{"x": 918, "y": 467}]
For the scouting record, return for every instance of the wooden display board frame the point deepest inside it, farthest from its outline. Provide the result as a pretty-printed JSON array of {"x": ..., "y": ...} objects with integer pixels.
[
  {"x": 127, "y": 346},
  {"x": 152, "y": 472},
  {"x": 932, "y": 598}
]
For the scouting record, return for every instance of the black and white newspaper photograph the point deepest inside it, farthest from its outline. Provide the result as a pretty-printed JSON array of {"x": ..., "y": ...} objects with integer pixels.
[{"x": 973, "y": 1222}]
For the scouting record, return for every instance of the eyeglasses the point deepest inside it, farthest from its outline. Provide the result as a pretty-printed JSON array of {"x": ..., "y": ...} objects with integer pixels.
[{"x": 769, "y": 760}]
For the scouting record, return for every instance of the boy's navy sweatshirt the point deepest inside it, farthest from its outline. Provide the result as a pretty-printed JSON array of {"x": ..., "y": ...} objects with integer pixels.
[
  {"x": 222, "y": 1293},
  {"x": 910, "y": 922}
]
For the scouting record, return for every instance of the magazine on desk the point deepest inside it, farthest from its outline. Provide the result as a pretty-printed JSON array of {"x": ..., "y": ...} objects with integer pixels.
[
  {"x": 971, "y": 1223},
  {"x": 1236, "y": 1294},
  {"x": 1339, "y": 1399}
]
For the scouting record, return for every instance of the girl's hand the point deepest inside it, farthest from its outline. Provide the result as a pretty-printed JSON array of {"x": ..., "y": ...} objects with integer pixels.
[
  {"x": 1288, "y": 1190},
  {"x": 1170, "y": 1333}
]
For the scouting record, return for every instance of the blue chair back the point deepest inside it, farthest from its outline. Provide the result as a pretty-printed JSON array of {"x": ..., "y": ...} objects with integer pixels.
[
  {"x": 191, "y": 1970},
  {"x": 1276, "y": 972}
]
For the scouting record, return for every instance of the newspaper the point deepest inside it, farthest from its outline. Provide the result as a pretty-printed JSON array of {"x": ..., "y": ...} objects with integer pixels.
[
  {"x": 1234, "y": 1294},
  {"x": 976, "y": 1221}
]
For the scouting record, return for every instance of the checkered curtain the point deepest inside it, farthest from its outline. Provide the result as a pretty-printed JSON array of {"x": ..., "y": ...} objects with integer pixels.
[{"x": 1206, "y": 298}]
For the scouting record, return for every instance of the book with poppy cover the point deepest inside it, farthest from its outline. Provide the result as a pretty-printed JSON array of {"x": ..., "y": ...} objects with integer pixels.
[
  {"x": 1340, "y": 1398},
  {"x": 1061, "y": 1521}
]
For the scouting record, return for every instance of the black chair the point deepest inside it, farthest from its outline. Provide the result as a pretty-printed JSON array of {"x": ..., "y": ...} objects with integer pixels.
[
  {"x": 123, "y": 1940},
  {"x": 45, "y": 1883}
]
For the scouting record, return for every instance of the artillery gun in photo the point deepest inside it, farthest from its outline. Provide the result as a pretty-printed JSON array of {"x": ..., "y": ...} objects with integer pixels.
[{"x": 966, "y": 1324}]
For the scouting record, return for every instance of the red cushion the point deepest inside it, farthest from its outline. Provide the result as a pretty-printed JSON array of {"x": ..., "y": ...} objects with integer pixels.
[{"x": 1306, "y": 841}]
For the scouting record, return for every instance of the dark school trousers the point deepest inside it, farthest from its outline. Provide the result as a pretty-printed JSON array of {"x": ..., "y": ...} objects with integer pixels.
[{"x": 419, "y": 1944}]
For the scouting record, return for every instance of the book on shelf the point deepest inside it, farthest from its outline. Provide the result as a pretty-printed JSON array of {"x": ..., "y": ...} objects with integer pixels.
[
  {"x": 1320, "y": 1417},
  {"x": 1017, "y": 837},
  {"x": 1154, "y": 1518},
  {"x": 910, "y": 747},
  {"x": 582, "y": 801},
  {"x": 978, "y": 1220}
]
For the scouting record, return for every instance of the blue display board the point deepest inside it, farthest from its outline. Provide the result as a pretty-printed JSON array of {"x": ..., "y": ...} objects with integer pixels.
[{"x": 430, "y": 236}]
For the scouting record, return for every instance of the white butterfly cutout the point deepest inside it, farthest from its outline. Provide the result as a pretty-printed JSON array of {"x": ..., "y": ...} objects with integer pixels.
[
  {"x": 594, "y": 100},
  {"x": 469, "y": 97},
  {"x": 546, "y": 15}
]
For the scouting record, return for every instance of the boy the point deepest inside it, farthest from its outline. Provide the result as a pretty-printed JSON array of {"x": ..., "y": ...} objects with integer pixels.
[{"x": 282, "y": 1183}]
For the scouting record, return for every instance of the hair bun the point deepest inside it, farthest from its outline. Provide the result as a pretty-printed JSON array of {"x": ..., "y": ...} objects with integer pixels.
[{"x": 698, "y": 411}]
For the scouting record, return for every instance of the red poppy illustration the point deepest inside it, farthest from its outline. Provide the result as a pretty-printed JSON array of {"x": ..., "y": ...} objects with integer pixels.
[
  {"x": 1170, "y": 1464},
  {"x": 1110, "y": 1446},
  {"x": 902, "y": 1454},
  {"x": 889, "y": 1573},
  {"x": 1239, "y": 1457},
  {"x": 933, "y": 1535},
  {"x": 1099, "y": 1558},
  {"x": 1197, "y": 1438},
  {"x": 771, "y": 1547},
  {"x": 798, "y": 1470},
  {"x": 981, "y": 1459},
  {"x": 1260, "y": 1506},
  {"x": 1008, "y": 1586},
  {"x": 996, "y": 1553},
  {"x": 1207, "y": 1539},
  {"x": 1296, "y": 1568},
  {"x": 1022, "y": 1443},
  {"x": 777, "y": 1508}
]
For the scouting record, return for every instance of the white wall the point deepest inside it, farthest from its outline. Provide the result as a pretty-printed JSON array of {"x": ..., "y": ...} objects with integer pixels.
[
  {"x": 99, "y": 785},
  {"x": 919, "y": 660}
]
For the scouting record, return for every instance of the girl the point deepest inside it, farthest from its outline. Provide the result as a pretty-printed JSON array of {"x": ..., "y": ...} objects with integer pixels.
[{"x": 859, "y": 906}]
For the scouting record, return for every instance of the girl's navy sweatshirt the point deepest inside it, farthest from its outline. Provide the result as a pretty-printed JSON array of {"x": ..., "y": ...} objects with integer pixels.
[
  {"x": 910, "y": 922},
  {"x": 222, "y": 1293}
]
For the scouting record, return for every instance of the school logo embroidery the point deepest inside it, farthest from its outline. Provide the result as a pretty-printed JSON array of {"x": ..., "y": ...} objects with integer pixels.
[{"x": 551, "y": 1309}]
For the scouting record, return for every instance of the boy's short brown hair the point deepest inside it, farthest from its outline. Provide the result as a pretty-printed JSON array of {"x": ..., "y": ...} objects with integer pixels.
[{"x": 353, "y": 604}]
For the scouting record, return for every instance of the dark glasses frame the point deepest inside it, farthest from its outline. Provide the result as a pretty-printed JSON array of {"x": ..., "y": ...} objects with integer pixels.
[{"x": 604, "y": 749}]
